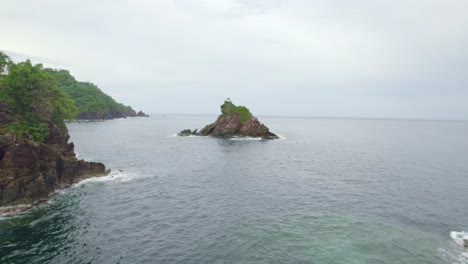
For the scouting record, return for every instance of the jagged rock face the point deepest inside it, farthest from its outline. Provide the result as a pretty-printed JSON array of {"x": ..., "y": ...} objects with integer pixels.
[
  {"x": 30, "y": 171},
  {"x": 232, "y": 125}
]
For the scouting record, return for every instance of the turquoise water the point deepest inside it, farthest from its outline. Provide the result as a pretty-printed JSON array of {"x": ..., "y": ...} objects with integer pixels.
[{"x": 330, "y": 191}]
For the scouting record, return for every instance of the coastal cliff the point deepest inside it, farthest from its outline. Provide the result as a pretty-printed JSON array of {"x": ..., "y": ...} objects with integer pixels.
[
  {"x": 35, "y": 155},
  {"x": 234, "y": 121},
  {"x": 30, "y": 170}
]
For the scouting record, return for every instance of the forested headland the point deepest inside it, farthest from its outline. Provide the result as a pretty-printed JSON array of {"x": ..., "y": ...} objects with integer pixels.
[
  {"x": 35, "y": 155},
  {"x": 31, "y": 94}
]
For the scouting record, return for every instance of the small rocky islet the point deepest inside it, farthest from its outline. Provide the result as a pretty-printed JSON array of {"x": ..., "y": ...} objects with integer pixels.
[{"x": 234, "y": 121}]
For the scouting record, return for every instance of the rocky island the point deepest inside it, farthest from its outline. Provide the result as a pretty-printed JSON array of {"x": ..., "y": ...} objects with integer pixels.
[
  {"x": 234, "y": 121},
  {"x": 35, "y": 155}
]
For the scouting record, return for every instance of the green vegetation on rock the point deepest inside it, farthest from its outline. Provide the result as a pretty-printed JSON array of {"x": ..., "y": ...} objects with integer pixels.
[
  {"x": 228, "y": 108},
  {"x": 35, "y": 156},
  {"x": 40, "y": 97},
  {"x": 34, "y": 98},
  {"x": 87, "y": 97},
  {"x": 4, "y": 59}
]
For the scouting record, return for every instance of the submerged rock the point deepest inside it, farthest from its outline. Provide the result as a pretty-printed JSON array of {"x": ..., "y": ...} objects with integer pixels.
[{"x": 236, "y": 121}]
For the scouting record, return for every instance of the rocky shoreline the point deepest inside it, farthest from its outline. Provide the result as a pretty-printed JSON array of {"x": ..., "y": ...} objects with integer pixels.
[
  {"x": 13, "y": 209},
  {"x": 30, "y": 171}
]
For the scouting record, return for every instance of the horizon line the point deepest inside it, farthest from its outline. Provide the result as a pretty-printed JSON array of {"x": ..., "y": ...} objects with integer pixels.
[{"x": 329, "y": 117}]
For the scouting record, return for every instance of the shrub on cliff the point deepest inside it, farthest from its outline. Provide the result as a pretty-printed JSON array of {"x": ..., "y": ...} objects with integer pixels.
[{"x": 228, "y": 108}]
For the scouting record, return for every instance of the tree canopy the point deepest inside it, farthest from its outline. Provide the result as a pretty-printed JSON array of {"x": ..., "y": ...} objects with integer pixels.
[
  {"x": 87, "y": 97},
  {"x": 4, "y": 59},
  {"x": 37, "y": 95},
  {"x": 34, "y": 97}
]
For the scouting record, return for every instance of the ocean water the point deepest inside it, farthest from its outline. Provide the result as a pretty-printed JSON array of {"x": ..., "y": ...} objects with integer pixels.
[{"x": 330, "y": 191}]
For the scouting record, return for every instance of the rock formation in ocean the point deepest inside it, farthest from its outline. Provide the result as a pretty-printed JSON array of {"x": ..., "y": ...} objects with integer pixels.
[
  {"x": 234, "y": 121},
  {"x": 141, "y": 114},
  {"x": 30, "y": 171},
  {"x": 188, "y": 132}
]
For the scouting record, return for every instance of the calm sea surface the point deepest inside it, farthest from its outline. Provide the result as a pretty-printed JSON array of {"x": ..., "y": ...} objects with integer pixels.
[{"x": 331, "y": 191}]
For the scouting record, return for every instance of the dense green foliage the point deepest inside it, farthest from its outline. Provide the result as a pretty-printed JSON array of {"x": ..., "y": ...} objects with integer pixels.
[
  {"x": 88, "y": 98},
  {"x": 228, "y": 108},
  {"x": 35, "y": 98},
  {"x": 4, "y": 59},
  {"x": 37, "y": 95}
]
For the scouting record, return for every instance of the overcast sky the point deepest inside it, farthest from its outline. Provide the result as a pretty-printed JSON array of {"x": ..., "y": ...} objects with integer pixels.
[{"x": 360, "y": 58}]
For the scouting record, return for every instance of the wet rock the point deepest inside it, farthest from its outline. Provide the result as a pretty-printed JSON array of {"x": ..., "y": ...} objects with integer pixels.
[
  {"x": 187, "y": 132},
  {"x": 30, "y": 171}
]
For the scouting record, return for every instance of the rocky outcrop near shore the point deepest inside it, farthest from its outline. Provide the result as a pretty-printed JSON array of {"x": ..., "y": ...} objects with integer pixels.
[
  {"x": 141, "y": 114},
  {"x": 30, "y": 171},
  {"x": 234, "y": 121}
]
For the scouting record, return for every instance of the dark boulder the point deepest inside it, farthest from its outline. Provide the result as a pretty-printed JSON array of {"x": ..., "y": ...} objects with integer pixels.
[{"x": 31, "y": 171}]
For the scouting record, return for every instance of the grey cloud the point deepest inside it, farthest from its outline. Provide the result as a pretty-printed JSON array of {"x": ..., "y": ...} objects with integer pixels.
[{"x": 317, "y": 58}]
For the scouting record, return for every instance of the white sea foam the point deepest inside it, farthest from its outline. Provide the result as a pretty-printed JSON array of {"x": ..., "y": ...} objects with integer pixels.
[
  {"x": 458, "y": 237},
  {"x": 245, "y": 138},
  {"x": 119, "y": 176},
  {"x": 455, "y": 256},
  {"x": 253, "y": 138},
  {"x": 189, "y": 136},
  {"x": 7, "y": 212},
  {"x": 455, "y": 252}
]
